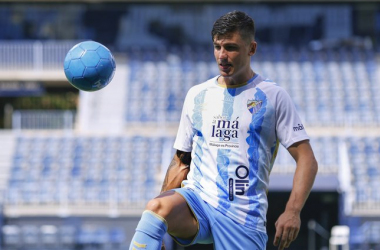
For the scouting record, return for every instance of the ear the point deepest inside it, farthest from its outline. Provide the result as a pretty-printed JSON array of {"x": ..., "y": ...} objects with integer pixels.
[{"x": 252, "y": 48}]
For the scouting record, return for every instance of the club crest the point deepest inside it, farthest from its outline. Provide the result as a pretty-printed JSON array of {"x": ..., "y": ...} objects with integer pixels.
[{"x": 254, "y": 106}]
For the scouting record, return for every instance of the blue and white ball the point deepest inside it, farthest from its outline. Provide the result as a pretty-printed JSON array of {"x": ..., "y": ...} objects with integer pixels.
[{"x": 89, "y": 66}]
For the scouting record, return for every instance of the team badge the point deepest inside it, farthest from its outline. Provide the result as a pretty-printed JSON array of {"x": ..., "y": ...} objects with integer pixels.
[{"x": 254, "y": 106}]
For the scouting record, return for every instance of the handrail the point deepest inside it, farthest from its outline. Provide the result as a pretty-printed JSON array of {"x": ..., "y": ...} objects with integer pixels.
[
  {"x": 33, "y": 55},
  {"x": 314, "y": 228}
]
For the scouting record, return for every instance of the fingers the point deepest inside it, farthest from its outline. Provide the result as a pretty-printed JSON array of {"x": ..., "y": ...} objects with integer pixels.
[
  {"x": 289, "y": 239},
  {"x": 284, "y": 237},
  {"x": 277, "y": 237},
  {"x": 287, "y": 228},
  {"x": 284, "y": 240},
  {"x": 294, "y": 234}
]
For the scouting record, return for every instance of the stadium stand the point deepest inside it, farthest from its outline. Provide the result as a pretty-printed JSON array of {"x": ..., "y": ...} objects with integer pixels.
[
  {"x": 364, "y": 158},
  {"x": 329, "y": 87},
  {"x": 55, "y": 169},
  {"x": 76, "y": 169},
  {"x": 66, "y": 170}
]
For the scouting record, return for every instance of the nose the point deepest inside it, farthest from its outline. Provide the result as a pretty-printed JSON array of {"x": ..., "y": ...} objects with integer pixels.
[{"x": 222, "y": 53}]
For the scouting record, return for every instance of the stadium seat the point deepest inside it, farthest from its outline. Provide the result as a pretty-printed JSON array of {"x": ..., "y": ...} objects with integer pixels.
[
  {"x": 87, "y": 235},
  {"x": 67, "y": 235},
  {"x": 11, "y": 236},
  {"x": 117, "y": 236},
  {"x": 49, "y": 236},
  {"x": 30, "y": 236}
]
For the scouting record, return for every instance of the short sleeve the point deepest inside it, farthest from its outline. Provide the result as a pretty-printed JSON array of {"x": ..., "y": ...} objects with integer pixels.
[{"x": 289, "y": 127}]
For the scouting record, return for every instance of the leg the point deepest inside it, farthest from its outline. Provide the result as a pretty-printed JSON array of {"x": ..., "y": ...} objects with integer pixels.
[
  {"x": 173, "y": 208},
  {"x": 167, "y": 212},
  {"x": 229, "y": 234}
]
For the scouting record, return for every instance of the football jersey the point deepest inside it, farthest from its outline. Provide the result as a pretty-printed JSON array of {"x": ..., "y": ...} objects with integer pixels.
[{"x": 233, "y": 136}]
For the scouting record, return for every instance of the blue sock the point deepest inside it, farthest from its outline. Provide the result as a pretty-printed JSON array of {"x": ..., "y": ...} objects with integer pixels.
[{"x": 149, "y": 232}]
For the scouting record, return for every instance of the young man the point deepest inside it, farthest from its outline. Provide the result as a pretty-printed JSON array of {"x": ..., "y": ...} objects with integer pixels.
[{"x": 229, "y": 133}]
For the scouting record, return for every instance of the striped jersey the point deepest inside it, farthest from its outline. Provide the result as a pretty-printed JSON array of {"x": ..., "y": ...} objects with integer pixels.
[{"x": 233, "y": 136}]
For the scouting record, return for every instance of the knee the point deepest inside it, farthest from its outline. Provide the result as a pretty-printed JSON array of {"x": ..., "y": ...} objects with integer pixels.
[
  {"x": 156, "y": 206},
  {"x": 166, "y": 204}
]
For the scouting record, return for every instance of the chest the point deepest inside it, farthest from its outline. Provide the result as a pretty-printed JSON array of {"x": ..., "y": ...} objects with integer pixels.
[{"x": 227, "y": 115}]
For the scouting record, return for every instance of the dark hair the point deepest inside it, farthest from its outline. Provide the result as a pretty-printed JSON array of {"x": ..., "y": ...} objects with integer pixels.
[{"x": 232, "y": 22}]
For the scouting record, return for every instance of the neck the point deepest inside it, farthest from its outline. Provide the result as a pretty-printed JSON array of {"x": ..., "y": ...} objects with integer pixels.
[{"x": 232, "y": 82}]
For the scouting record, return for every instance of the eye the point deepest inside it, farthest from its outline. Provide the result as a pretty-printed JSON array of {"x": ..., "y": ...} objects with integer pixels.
[{"x": 231, "y": 48}]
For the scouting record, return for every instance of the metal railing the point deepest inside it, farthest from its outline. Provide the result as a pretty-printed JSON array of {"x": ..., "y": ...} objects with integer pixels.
[
  {"x": 33, "y": 55},
  {"x": 316, "y": 229},
  {"x": 43, "y": 119}
]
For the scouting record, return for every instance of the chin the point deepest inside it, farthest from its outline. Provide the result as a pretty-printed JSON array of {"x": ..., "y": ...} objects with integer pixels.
[{"x": 224, "y": 74}]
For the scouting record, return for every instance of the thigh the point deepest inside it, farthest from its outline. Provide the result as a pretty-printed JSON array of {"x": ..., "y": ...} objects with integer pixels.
[
  {"x": 175, "y": 210},
  {"x": 203, "y": 216},
  {"x": 229, "y": 234}
]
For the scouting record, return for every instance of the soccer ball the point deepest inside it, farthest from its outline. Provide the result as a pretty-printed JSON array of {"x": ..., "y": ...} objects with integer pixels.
[{"x": 89, "y": 66}]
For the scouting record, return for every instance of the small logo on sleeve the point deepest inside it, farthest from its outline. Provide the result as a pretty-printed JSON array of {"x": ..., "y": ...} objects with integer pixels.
[{"x": 298, "y": 127}]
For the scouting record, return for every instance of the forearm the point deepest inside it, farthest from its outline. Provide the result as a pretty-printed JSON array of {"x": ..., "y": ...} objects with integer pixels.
[
  {"x": 289, "y": 222},
  {"x": 302, "y": 183},
  {"x": 177, "y": 171}
]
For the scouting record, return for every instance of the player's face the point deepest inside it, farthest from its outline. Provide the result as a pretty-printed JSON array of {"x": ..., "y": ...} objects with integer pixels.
[{"x": 233, "y": 55}]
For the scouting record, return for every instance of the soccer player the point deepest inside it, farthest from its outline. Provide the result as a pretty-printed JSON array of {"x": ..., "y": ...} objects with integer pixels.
[{"x": 215, "y": 189}]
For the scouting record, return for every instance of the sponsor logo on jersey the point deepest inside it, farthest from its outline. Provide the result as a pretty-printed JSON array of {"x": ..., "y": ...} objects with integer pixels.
[
  {"x": 225, "y": 129},
  {"x": 298, "y": 127},
  {"x": 254, "y": 106},
  {"x": 240, "y": 183}
]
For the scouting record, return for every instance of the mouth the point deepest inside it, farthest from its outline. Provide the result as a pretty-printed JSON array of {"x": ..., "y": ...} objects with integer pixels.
[{"x": 225, "y": 66}]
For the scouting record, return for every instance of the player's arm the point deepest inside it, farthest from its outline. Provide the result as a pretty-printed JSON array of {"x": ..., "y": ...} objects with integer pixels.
[
  {"x": 288, "y": 224},
  {"x": 177, "y": 171}
]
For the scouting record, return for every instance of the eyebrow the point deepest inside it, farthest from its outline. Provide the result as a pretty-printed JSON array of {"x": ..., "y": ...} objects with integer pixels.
[{"x": 226, "y": 44}]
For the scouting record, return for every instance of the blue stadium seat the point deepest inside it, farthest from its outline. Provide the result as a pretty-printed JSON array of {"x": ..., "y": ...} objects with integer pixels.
[
  {"x": 30, "y": 236},
  {"x": 49, "y": 236},
  {"x": 117, "y": 236},
  {"x": 87, "y": 235},
  {"x": 102, "y": 235},
  {"x": 11, "y": 236},
  {"x": 67, "y": 235}
]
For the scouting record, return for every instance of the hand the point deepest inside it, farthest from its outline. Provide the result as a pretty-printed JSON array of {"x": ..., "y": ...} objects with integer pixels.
[{"x": 287, "y": 228}]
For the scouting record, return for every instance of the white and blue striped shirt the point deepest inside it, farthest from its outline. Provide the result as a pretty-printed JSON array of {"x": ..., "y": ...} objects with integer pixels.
[{"x": 233, "y": 134}]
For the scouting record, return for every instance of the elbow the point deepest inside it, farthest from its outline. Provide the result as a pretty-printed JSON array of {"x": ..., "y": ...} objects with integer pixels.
[{"x": 315, "y": 166}]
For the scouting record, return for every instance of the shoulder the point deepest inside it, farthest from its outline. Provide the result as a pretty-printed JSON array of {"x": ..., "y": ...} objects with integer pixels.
[
  {"x": 271, "y": 88},
  {"x": 206, "y": 85},
  {"x": 268, "y": 84}
]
